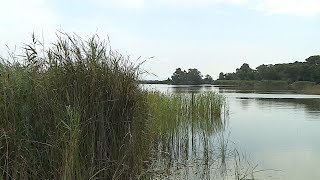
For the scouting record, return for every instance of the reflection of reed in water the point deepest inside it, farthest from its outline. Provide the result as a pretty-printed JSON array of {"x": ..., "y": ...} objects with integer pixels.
[
  {"x": 189, "y": 140},
  {"x": 188, "y": 134}
]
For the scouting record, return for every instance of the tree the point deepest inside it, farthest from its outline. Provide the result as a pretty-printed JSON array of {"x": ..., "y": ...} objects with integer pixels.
[
  {"x": 290, "y": 72},
  {"x": 245, "y": 72},
  {"x": 221, "y": 76},
  {"x": 313, "y": 60},
  {"x": 265, "y": 72},
  {"x": 207, "y": 80},
  {"x": 230, "y": 76},
  {"x": 178, "y": 76},
  {"x": 192, "y": 77}
]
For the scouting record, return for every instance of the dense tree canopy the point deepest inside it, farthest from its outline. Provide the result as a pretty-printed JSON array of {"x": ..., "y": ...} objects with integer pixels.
[
  {"x": 192, "y": 76},
  {"x": 290, "y": 72}
]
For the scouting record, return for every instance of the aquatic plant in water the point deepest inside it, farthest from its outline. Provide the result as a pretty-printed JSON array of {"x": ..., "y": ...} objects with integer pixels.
[{"x": 187, "y": 134}]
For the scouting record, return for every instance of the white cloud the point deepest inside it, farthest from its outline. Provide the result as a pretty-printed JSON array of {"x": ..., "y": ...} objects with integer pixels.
[{"x": 289, "y": 7}]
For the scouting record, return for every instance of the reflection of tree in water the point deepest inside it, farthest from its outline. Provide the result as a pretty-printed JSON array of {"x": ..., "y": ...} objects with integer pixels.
[
  {"x": 244, "y": 102},
  {"x": 311, "y": 105},
  {"x": 187, "y": 89}
]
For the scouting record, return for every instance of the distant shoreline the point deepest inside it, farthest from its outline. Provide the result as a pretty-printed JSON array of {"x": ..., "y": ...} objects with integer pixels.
[{"x": 305, "y": 87}]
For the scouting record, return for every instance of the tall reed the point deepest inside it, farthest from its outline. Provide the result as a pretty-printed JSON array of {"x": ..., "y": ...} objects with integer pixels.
[
  {"x": 72, "y": 111},
  {"x": 183, "y": 128},
  {"x": 75, "y": 111}
]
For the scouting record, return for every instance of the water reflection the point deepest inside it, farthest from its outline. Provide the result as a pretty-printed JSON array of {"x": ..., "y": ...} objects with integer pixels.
[
  {"x": 193, "y": 144},
  {"x": 191, "y": 89},
  {"x": 309, "y": 105},
  {"x": 279, "y": 131},
  {"x": 271, "y": 127},
  {"x": 245, "y": 102}
]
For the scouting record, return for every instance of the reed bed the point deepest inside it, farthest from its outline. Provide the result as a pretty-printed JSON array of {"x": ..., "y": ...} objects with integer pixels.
[
  {"x": 185, "y": 129},
  {"x": 72, "y": 111},
  {"x": 75, "y": 111}
]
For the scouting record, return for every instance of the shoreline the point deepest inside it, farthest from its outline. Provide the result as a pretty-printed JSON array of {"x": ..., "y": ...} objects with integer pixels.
[{"x": 304, "y": 87}]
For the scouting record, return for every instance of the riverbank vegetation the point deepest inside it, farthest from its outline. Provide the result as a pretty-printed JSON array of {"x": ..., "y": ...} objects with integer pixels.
[
  {"x": 182, "y": 77},
  {"x": 305, "y": 87},
  {"x": 303, "y": 77},
  {"x": 72, "y": 111},
  {"x": 190, "y": 77},
  {"x": 187, "y": 142},
  {"x": 298, "y": 76},
  {"x": 309, "y": 70},
  {"x": 76, "y": 111}
]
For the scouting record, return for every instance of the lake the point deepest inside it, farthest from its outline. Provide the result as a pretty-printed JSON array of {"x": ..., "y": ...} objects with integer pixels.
[{"x": 276, "y": 133}]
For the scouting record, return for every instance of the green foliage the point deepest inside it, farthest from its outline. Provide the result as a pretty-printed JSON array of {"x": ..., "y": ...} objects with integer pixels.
[
  {"x": 271, "y": 85},
  {"x": 315, "y": 60},
  {"x": 183, "y": 127},
  {"x": 168, "y": 111},
  {"x": 299, "y": 85},
  {"x": 245, "y": 72},
  {"x": 73, "y": 111},
  {"x": 192, "y": 77},
  {"x": 221, "y": 76},
  {"x": 290, "y": 72},
  {"x": 207, "y": 79},
  {"x": 76, "y": 111},
  {"x": 179, "y": 76}
]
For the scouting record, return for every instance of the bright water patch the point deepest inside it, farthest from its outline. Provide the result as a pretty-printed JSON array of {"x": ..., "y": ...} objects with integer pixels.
[{"x": 276, "y": 133}]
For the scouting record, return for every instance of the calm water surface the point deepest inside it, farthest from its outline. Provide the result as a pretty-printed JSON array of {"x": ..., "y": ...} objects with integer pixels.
[{"x": 277, "y": 131}]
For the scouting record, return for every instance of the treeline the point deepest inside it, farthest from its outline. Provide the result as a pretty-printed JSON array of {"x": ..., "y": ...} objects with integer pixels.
[
  {"x": 190, "y": 77},
  {"x": 290, "y": 72}
]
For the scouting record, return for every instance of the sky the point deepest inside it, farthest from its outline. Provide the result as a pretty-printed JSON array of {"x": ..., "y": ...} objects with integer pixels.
[{"x": 211, "y": 35}]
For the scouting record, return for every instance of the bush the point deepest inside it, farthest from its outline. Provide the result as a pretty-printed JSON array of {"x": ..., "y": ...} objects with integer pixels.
[{"x": 299, "y": 85}]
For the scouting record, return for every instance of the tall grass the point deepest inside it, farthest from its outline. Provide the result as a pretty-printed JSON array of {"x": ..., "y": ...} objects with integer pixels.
[
  {"x": 72, "y": 111},
  {"x": 184, "y": 128},
  {"x": 188, "y": 138},
  {"x": 76, "y": 111}
]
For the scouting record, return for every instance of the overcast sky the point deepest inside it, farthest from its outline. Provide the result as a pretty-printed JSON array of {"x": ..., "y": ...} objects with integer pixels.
[{"x": 210, "y": 35}]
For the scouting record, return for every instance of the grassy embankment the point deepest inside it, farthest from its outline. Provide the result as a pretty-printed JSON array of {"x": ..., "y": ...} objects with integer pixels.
[
  {"x": 75, "y": 111},
  {"x": 299, "y": 86}
]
